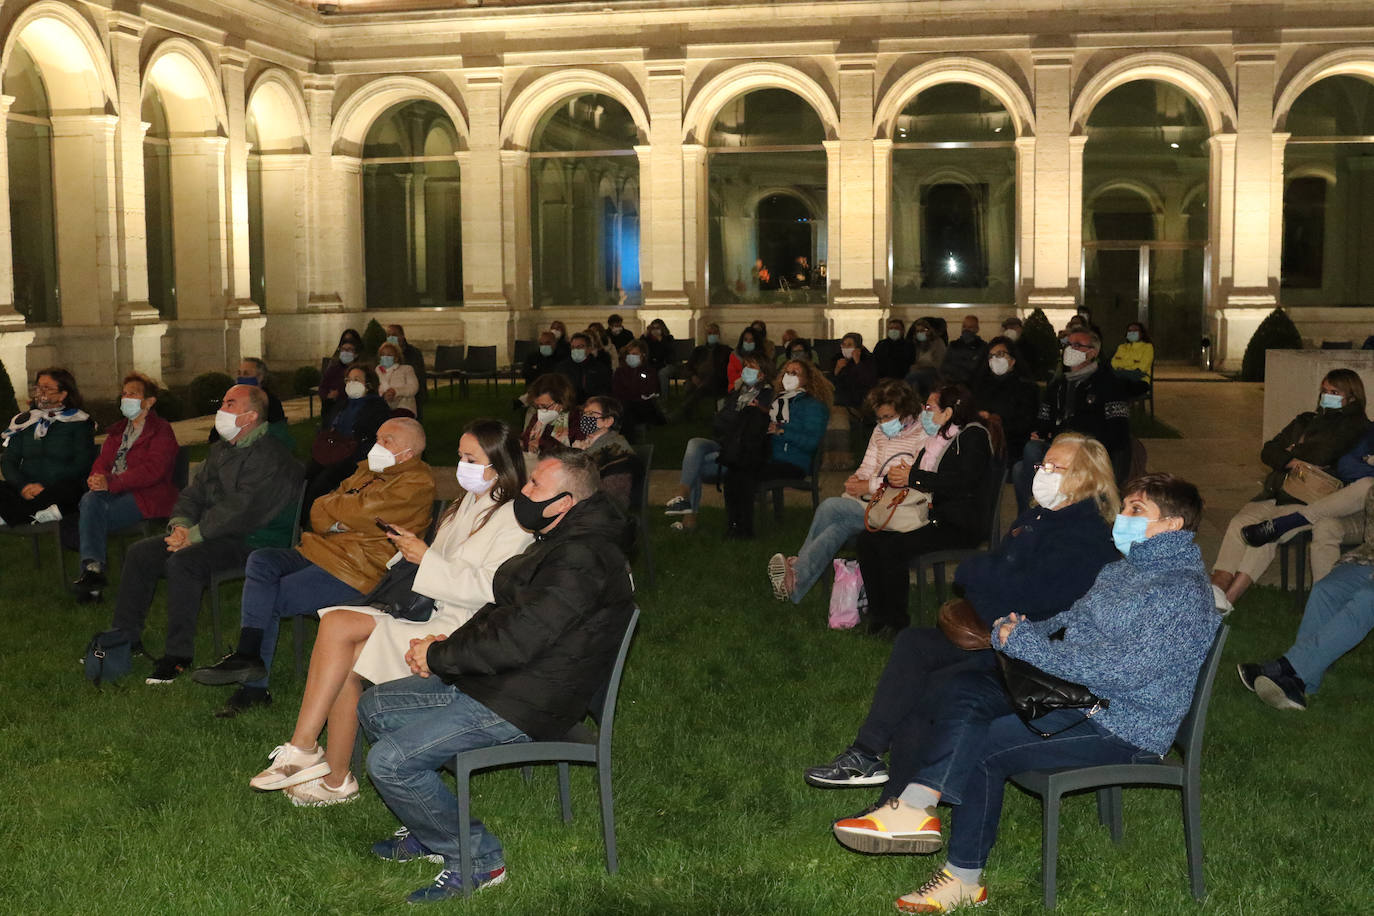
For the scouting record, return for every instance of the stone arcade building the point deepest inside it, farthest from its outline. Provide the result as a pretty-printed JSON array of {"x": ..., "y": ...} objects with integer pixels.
[{"x": 191, "y": 181}]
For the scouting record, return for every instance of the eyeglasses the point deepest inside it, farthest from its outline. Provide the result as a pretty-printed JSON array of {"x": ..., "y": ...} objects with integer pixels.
[
  {"x": 1052, "y": 468},
  {"x": 594, "y": 416},
  {"x": 1080, "y": 346},
  {"x": 41, "y": 389}
]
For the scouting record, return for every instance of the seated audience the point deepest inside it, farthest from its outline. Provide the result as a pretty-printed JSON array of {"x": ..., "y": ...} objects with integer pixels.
[
  {"x": 1138, "y": 638},
  {"x": 412, "y": 357},
  {"x": 588, "y": 375},
  {"x": 242, "y": 497},
  {"x": 966, "y": 354},
  {"x": 636, "y": 385},
  {"x": 620, "y": 336},
  {"x": 1317, "y": 437},
  {"x": 356, "y": 643},
  {"x": 47, "y": 455},
  {"x": 894, "y": 354},
  {"x": 345, "y": 438},
  {"x": 707, "y": 370},
  {"x": 339, "y": 562},
  {"x": 1004, "y": 387},
  {"x": 951, "y": 470},
  {"x": 548, "y": 423},
  {"x": 525, "y": 667},
  {"x": 854, "y": 372},
  {"x": 613, "y": 454},
  {"x": 253, "y": 371},
  {"x": 600, "y": 346},
  {"x": 898, "y": 436},
  {"x": 560, "y": 339},
  {"x": 130, "y": 481},
  {"x": 929, "y": 349},
  {"x": 1134, "y": 360},
  {"x": 540, "y": 360},
  {"x": 1086, "y": 398},
  {"x": 1339, "y": 615},
  {"x": 797, "y": 418},
  {"x": 749, "y": 343},
  {"x": 1049, "y": 558},
  {"x": 752, "y": 388},
  {"x": 332, "y": 381},
  {"x": 396, "y": 382},
  {"x": 1012, "y": 328}
]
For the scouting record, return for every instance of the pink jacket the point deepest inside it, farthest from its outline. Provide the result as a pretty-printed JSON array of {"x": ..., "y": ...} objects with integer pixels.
[{"x": 881, "y": 450}]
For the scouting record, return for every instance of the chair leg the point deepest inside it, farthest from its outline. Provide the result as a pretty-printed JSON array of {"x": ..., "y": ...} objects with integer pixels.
[
  {"x": 61, "y": 554},
  {"x": 1109, "y": 810},
  {"x": 777, "y": 503},
  {"x": 37, "y": 560},
  {"x": 214, "y": 612},
  {"x": 1192, "y": 836},
  {"x": 1300, "y": 574},
  {"x": 460, "y": 778},
  {"x": 648, "y": 547},
  {"x": 1049, "y": 851},
  {"x": 527, "y": 773},
  {"x": 564, "y": 791},
  {"x": 356, "y": 761},
  {"x": 939, "y": 570},
  {"x": 298, "y": 643},
  {"x": 603, "y": 773}
]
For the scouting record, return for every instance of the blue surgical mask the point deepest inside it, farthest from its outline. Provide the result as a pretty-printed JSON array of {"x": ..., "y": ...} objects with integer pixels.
[
  {"x": 921, "y": 336},
  {"x": 894, "y": 334},
  {"x": 387, "y": 361},
  {"x": 633, "y": 360},
  {"x": 546, "y": 349},
  {"x": 1128, "y": 530},
  {"x": 891, "y": 427},
  {"x": 749, "y": 375},
  {"x": 1331, "y": 401},
  {"x": 393, "y": 339},
  {"x": 346, "y": 356},
  {"x": 712, "y": 339},
  {"x": 130, "y": 407},
  {"x": 747, "y": 346},
  {"x": 1133, "y": 336},
  {"x": 578, "y": 354},
  {"x": 250, "y": 380},
  {"x": 928, "y": 423}
]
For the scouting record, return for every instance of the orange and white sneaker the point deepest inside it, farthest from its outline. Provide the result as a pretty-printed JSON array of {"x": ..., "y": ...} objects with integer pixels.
[
  {"x": 891, "y": 826},
  {"x": 942, "y": 893}
]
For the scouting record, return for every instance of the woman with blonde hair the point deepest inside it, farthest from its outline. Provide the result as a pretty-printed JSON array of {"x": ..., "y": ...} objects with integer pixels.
[
  {"x": 396, "y": 382},
  {"x": 1047, "y": 561}
]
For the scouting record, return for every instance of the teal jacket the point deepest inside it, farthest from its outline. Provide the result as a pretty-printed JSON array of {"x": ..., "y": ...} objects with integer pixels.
[
  {"x": 64, "y": 453},
  {"x": 802, "y": 434}
]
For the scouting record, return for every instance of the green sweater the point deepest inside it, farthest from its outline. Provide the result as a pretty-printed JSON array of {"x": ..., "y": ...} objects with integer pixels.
[{"x": 64, "y": 453}]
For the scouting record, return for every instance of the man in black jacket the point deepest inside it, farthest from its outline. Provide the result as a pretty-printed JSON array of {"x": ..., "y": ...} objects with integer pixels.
[
  {"x": 707, "y": 371},
  {"x": 589, "y": 376},
  {"x": 526, "y": 666}
]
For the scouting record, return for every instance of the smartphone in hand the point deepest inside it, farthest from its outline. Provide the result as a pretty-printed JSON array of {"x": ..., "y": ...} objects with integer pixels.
[{"x": 388, "y": 529}]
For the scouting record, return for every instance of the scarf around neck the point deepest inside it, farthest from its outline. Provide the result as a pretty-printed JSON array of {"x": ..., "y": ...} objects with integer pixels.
[{"x": 43, "y": 421}]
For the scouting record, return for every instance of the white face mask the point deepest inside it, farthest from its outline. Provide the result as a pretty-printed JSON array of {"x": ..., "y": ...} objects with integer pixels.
[
  {"x": 1045, "y": 488},
  {"x": 546, "y": 416},
  {"x": 379, "y": 458},
  {"x": 226, "y": 424},
  {"x": 791, "y": 382},
  {"x": 847, "y": 352},
  {"x": 1012, "y": 333},
  {"x": 999, "y": 365},
  {"x": 471, "y": 477},
  {"x": 1074, "y": 358},
  {"x": 355, "y": 389}
]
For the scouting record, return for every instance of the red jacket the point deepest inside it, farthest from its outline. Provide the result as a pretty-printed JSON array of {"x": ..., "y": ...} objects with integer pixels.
[{"x": 148, "y": 466}]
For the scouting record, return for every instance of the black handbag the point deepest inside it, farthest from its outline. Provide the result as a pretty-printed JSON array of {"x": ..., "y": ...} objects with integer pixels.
[
  {"x": 1035, "y": 693},
  {"x": 396, "y": 594}
]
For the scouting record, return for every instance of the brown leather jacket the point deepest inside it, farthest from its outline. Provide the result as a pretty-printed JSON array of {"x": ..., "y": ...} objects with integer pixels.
[{"x": 356, "y": 554}]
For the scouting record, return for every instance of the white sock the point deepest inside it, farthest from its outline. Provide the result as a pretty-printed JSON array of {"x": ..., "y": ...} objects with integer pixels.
[
  {"x": 918, "y": 796},
  {"x": 966, "y": 875},
  {"x": 1219, "y": 598}
]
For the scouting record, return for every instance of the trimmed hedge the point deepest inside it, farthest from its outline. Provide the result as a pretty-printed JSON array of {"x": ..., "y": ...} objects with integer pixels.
[
  {"x": 9, "y": 404},
  {"x": 1276, "y": 332},
  {"x": 204, "y": 393},
  {"x": 374, "y": 335},
  {"x": 1039, "y": 345}
]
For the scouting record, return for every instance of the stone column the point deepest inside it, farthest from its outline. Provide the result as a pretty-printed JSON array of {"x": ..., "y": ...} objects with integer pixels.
[
  {"x": 232, "y": 62},
  {"x": 1048, "y": 266},
  {"x": 131, "y": 228},
  {"x": 515, "y": 207},
  {"x": 83, "y": 197},
  {"x": 854, "y": 272},
  {"x": 198, "y": 220},
  {"x": 882, "y": 222},
  {"x": 485, "y": 221},
  {"x": 696, "y": 216},
  {"x": 325, "y": 214},
  {"x": 663, "y": 204},
  {"x": 284, "y": 177},
  {"x": 1025, "y": 219},
  {"x": 1253, "y": 276},
  {"x": 15, "y": 336}
]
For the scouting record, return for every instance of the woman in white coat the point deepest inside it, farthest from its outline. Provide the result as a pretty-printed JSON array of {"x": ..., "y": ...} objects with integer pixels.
[{"x": 476, "y": 535}]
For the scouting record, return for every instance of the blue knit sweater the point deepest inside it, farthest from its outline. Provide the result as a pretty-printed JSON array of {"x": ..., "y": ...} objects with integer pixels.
[{"x": 1137, "y": 638}]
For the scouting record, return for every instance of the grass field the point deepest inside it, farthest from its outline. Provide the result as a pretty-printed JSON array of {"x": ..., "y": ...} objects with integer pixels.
[{"x": 134, "y": 799}]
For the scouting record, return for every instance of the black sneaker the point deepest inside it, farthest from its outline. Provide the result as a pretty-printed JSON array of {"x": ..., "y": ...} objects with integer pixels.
[
  {"x": 1282, "y": 691},
  {"x": 851, "y": 769},
  {"x": 242, "y": 700},
  {"x": 89, "y": 584},
  {"x": 167, "y": 668},
  {"x": 1248, "y": 671},
  {"x": 1260, "y": 533},
  {"x": 234, "y": 668},
  {"x": 677, "y": 506}
]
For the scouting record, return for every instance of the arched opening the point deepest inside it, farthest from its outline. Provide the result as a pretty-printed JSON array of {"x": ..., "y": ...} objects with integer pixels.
[
  {"x": 766, "y": 175},
  {"x": 33, "y": 217},
  {"x": 160, "y": 241},
  {"x": 1145, "y": 171},
  {"x": 276, "y": 187},
  {"x": 954, "y": 198},
  {"x": 412, "y": 208},
  {"x": 1328, "y": 194},
  {"x": 584, "y": 204}
]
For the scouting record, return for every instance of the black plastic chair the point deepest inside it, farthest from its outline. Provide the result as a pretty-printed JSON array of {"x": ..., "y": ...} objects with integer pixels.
[
  {"x": 1184, "y": 773},
  {"x": 580, "y": 745},
  {"x": 682, "y": 350},
  {"x": 314, "y": 390},
  {"x": 448, "y": 364},
  {"x": 147, "y": 527},
  {"x": 827, "y": 352},
  {"x": 480, "y": 363},
  {"x": 35, "y": 532},
  {"x": 812, "y": 482},
  {"x": 522, "y": 350},
  {"x": 937, "y": 560},
  {"x": 1296, "y": 545},
  {"x": 639, "y": 503}
]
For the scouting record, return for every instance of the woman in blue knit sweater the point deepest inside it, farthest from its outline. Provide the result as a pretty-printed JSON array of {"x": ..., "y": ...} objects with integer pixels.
[{"x": 1138, "y": 638}]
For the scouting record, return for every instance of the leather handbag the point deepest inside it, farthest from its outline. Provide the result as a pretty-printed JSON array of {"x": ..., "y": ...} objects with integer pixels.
[
  {"x": 331, "y": 447},
  {"x": 1035, "y": 693},
  {"x": 1307, "y": 483},
  {"x": 396, "y": 595},
  {"x": 962, "y": 626},
  {"x": 898, "y": 509}
]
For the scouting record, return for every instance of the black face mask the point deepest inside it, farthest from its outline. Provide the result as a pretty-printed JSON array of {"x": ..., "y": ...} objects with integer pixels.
[{"x": 530, "y": 514}]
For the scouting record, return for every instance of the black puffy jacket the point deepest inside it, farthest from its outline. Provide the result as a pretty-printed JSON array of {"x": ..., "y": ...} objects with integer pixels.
[{"x": 539, "y": 652}]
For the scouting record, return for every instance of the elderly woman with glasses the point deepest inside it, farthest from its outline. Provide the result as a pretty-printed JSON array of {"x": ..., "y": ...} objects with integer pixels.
[{"x": 48, "y": 451}]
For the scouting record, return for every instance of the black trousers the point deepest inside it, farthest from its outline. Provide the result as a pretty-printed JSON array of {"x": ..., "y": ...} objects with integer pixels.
[
  {"x": 740, "y": 488},
  {"x": 65, "y": 494},
  {"x": 188, "y": 574},
  {"x": 883, "y": 560}
]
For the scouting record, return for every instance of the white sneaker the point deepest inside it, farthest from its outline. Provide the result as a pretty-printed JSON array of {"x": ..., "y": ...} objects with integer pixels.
[
  {"x": 1224, "y": 606},
  {"x": 777, "y": 576},
  {"x": 293, "y": 766},
  {"x": 316, "y": 794},
  {"x": 50, "y": 514}
]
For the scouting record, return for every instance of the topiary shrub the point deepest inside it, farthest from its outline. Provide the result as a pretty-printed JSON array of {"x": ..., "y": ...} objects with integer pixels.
[
  {"x": 1039, "y": 345},
  {"x": 374, "y": 335},
  {"x": 305, "y": 378},
  {"x": 9, "y": 405},
  {"x": 1276, "y": 332},
  {"x": 205, "y": 392},
  {"x": 171, "y": 404}
]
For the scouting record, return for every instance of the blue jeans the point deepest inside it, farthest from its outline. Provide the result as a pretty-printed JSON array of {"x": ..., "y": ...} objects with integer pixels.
[
  {"x": 1023, "y": 472},
  {"x": 944, "y": 745},
  {"x": 698, "y": 464},
  {"x": 101, "y": 513},
  {"x": 1339, "y": 614},
  {"x": 836, "y": 521},
  {"x": 416, "y": 724},
  {"x": 1010, "y": 747},
  {"x": 281, "y": 583}
]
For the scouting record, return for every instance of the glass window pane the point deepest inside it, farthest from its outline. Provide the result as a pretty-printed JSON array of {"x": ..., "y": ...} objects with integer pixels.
[
  {"x": 257, "y": 277},
  {"x": 405, "y": 130},
  {"x": 1338, "y": 106},
  {"x": 766, "y": 117},
  {"x": 33, "y": 243},
  {"x": 585, "y": 122},
  {"x": 954, "y": 112},
  {"x": 157, "y": 207}
]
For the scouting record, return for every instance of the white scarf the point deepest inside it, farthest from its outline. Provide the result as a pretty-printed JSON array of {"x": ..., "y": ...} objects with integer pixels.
[
  {"x": 43, "y": 419},
  {"x": 781, "y": 409}
]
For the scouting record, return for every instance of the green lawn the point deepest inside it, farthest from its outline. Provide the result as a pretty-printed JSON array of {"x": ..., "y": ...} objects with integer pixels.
[{"x": 134, "y": 799}]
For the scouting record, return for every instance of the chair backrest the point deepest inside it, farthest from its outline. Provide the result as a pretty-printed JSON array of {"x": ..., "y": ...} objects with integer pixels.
[
  {"x": 448, "y": 357},
  {"x": 325, "y": 361},
  {"x": 181, "y": 468},
  {"x": 481, "y": 359},
  {"x": 436, "y": 513},
  {"x": 1189, "y": 737},
  {"x": 827, "y": 351},
  {"x": 992, "y": 496},
  {"x": 300, "y": 504},
  {"x": 1337, "y": 345},
  {"x": 639, "y": 498},
  {"x": 522, "y": 350},
  {"x": 605, "y": 715},
  {"x": 682, "y": 349}
]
